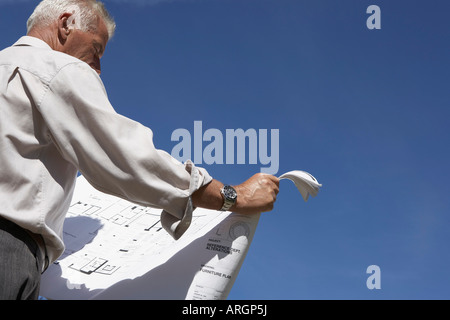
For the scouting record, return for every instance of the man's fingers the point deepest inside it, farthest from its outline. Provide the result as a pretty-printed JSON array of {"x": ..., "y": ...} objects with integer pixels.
[{"x": 272, "y": 182}]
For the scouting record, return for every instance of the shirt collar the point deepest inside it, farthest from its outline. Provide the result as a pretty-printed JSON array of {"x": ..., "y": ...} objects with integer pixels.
[{"x": 33, "y": 42}]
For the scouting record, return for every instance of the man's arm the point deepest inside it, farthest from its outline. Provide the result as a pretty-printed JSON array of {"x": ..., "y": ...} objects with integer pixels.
[{"x": 257, "y": 194}]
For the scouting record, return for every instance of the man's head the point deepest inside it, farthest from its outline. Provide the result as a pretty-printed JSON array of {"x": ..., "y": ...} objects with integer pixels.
[{"x": 80, "y": 28}]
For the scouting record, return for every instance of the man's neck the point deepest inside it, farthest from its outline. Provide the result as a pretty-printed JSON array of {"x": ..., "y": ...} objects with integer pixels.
[{"x": 45, "y": 35}]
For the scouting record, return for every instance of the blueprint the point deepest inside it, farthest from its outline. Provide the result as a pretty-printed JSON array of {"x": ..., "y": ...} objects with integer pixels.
[
  {"x": 115, "y": 249},
  {"x": 118, "y": 250}
]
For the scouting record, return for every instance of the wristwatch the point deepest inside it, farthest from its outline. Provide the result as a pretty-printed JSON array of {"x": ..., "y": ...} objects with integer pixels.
[{"x": 229, "y": 196}]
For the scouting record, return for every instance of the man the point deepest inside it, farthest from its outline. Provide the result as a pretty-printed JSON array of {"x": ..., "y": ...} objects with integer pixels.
[{"x": 56, "y": 120}]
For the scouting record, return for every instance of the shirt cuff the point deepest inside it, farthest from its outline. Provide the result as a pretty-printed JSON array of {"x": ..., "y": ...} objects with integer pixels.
[{"x": 173, "y": 225}]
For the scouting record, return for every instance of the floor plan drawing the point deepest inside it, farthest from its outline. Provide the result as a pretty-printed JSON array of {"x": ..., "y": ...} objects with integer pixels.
[
  {"x": 119, "y": 250},
  {"x": 115, "y": 249}
]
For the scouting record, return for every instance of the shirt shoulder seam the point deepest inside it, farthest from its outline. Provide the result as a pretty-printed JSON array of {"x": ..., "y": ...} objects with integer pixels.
[{"x": 47, "y": 83}]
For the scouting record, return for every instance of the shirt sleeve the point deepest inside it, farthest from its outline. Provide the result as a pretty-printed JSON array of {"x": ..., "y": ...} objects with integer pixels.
[{"x": 114, "y": 153}]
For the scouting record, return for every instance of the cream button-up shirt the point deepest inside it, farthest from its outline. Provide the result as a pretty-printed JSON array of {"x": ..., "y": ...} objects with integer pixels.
[{"x": 55, "y": 121}]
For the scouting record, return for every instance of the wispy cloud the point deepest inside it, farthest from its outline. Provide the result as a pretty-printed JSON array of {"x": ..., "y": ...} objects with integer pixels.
[
  {"x": 129, "y": 2},
  {"x": 142, "y": 2},
  {"x": 139, "y": 2},
  {"x": 13, "y": 1}
]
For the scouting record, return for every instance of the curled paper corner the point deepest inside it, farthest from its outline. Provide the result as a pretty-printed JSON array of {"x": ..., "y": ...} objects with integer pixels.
[{"x": 304, "y": 181}]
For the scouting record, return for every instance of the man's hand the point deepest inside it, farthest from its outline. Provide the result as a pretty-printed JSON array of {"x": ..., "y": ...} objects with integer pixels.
[{"x": 257, "y": 194}]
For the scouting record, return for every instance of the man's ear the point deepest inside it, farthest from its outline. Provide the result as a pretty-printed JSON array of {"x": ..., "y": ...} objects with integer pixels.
[
  {"x": 69, "y": 21},
  {"x": 64, "y": 26}
]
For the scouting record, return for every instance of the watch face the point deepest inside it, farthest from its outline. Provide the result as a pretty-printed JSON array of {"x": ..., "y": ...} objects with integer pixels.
[{"x": 229, "y": 192}]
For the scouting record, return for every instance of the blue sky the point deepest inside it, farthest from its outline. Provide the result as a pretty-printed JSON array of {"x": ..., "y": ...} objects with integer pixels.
[{"x": 365, "y": 111}]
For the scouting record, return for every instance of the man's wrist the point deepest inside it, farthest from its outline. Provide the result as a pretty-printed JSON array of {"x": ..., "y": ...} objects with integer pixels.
[{"x": 229, "y": 195}]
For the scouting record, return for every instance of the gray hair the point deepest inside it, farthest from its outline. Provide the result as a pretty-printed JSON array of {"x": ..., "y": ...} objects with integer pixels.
[{"x": 50, "y": 10}]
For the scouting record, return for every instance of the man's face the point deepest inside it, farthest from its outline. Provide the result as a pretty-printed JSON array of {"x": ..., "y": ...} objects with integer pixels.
[{"x": 88, "y": 46}]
